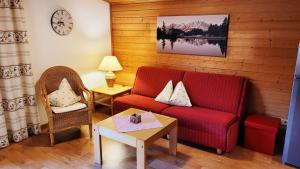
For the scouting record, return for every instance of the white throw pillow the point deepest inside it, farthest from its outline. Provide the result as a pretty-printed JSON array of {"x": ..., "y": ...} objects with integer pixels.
[
  {"x": 180, "y": 96},
  {"x": 64, "y": 96},
  {"x": 165, "y": 95}
]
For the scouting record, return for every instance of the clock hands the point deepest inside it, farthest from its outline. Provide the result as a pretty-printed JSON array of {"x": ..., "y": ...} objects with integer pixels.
[{"x": 61, "y": 22}]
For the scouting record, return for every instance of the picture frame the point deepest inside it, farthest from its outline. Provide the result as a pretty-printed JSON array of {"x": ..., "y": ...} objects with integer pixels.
[{"x": 201, "y": 35}]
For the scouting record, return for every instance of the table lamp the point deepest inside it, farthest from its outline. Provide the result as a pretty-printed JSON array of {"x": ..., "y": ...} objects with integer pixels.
[{"x": 110, "y": 64}]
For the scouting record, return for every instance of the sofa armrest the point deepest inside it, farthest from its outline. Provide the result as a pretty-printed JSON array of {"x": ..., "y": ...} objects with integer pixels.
[
  {"x": 243, "y": 101},
  {"x": 232, "y": 136}
]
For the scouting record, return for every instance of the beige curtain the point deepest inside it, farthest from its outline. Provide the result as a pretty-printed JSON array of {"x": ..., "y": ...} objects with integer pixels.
[{"x": 18, "y": 114}]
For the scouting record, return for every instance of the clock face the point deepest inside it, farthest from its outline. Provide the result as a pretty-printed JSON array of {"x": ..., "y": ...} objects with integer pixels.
[{"x": 62, "y": 22}]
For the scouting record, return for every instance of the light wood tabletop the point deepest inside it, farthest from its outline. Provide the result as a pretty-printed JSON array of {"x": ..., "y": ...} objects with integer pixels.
[
  {"x": 111, "y": 91},
  {"x": 139, "y": 139},
  {"x": 105, "y": 95}
]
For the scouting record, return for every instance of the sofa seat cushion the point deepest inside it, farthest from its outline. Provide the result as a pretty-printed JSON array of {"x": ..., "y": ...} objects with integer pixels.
[
  {"x": 201, "y": 125},
  {"x": 200, "y": 118},
  {"x": 137, "y": 101}
]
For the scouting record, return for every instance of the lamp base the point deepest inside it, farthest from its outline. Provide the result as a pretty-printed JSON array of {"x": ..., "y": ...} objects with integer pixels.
[
  {"x": 110, "y": 78},
  {"x": 110, "y": 82}
]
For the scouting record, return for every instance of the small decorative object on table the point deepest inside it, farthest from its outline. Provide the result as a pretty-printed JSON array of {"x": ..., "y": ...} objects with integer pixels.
[{"x": 135, "y": 118}]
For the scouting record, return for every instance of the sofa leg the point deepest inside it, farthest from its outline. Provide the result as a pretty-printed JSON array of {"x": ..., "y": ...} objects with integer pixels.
[{"x": 219, "y": 151}]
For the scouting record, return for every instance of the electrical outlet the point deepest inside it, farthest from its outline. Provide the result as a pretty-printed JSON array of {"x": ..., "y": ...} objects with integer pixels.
[{"x": 284, "y": 121}]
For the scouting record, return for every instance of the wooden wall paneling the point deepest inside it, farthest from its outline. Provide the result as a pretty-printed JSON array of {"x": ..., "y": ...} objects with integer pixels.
[{"x": 262, "y": 44}]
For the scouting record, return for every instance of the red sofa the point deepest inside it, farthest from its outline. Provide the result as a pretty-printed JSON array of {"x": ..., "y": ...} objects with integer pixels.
[{"x": 218, "y": 101}]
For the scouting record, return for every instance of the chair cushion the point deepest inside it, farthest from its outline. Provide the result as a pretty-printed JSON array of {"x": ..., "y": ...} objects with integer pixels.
[
  {"x": 150, "y": 81},
  {"x": 201, "y": 118},
  {"x": 64, "y": 96},
  {"x": 73, "y": 107},
  {"x": 138, "y": 101},
  {"x": 216, "y": 91}
]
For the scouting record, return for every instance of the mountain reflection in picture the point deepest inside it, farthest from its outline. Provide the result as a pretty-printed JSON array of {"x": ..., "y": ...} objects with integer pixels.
[{"x": 196, "y": 35}]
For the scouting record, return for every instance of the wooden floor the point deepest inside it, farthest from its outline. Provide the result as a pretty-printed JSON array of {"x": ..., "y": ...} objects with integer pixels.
[{"x": 77, "y": 152}]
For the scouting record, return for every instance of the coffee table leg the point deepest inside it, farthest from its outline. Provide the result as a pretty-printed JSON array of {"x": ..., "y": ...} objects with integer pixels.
[
  {"x": 97, "y": 146},
  {"x": 141, "y": 151},
  {"x": 173, "y": 141}
]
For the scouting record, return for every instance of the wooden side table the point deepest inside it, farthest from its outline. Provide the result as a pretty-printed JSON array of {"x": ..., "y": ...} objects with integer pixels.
[{"x": 105, "y": 95}]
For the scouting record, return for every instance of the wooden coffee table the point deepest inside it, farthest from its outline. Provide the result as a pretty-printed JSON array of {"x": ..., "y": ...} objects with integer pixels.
[{"x": 139, "y": 139}]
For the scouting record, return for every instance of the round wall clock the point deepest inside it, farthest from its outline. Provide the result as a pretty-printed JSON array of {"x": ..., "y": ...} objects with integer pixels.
[{"x": 62, "y": 22}]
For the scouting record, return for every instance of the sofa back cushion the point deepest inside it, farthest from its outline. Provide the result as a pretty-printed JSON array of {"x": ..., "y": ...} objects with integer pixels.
[
  {"x": 216, "y": 91},
  {"x": 150, "y": 81}
]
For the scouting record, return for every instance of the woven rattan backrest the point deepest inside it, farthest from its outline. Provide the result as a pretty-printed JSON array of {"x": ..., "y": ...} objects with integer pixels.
[{"x": 52, "y": 77}]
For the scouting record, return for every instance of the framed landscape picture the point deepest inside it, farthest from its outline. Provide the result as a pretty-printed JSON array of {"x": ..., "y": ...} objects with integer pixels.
[{"x": 195, "y": 35}]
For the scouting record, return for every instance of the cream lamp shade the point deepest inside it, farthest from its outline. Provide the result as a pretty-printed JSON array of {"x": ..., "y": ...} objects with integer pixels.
[{"x": 110, "y": 64}]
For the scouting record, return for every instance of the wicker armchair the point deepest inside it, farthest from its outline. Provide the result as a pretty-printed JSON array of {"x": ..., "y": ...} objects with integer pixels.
[{"x": 48, "y": 83}]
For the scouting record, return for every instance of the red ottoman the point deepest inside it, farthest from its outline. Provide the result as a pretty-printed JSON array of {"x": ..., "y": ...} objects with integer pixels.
[{"x": 261, "y": 132}]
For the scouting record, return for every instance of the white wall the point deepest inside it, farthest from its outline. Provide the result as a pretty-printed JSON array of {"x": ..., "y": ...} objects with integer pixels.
[{"x": 81, "y": 50}]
